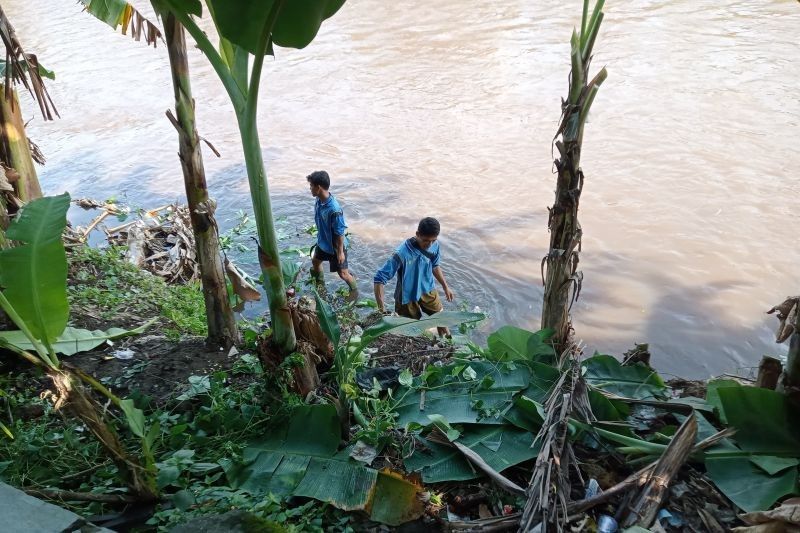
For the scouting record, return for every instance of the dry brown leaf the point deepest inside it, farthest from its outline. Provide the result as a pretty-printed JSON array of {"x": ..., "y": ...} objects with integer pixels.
[{"x": 241, "y": 286}]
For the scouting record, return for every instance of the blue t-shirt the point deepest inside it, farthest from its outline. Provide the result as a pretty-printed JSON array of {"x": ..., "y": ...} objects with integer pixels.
[
  {"x": 330, "y": 221},
  {"x": 414, "y": 269}
]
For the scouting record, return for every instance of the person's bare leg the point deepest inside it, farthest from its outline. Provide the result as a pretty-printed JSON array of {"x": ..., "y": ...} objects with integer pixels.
[
  {"x": 317, "y": 276},
  {"x": 348, "y": 278}
]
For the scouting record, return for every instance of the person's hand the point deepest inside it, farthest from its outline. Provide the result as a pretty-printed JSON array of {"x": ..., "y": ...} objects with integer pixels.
[
  {"x": 340, "y": 257},
  {"x": 449, "y": 295}
]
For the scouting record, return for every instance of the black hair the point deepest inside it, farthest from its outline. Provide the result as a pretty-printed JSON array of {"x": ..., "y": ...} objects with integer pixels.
[
  {"x": 429, "y": 227},
  {"x": 321, "y": 178}
]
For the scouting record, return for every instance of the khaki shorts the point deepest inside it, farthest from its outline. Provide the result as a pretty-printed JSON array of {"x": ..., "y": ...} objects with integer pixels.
[{"x": 429, "y": 304}]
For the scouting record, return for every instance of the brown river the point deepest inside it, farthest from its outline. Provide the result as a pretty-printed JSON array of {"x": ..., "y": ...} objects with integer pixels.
[{"x": 690, "y": 208}]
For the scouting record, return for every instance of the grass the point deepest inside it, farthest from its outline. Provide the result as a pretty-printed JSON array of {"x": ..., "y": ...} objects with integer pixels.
[{"x": 105, "y": 286}]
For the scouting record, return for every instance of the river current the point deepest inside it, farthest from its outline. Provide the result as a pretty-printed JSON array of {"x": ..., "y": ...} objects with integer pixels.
[{"x": 447, "y": 109}]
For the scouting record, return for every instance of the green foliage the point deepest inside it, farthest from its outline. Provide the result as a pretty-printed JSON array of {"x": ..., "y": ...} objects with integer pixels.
[
  {"x": 242, "y": 22},
  {"x": 108, "y": 286},
  {"x": 510, "y": 343},
  {"x": 500, "y": 446},
  {"x": 636, "y": 381},
  {"x": 74, "y": 340},
  {"x": 289, "y": 463},
  {"x": 33, "y": 274}
]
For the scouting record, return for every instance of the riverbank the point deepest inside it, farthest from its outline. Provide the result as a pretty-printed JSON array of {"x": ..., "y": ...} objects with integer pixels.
[{"x": 211, "y": 405}]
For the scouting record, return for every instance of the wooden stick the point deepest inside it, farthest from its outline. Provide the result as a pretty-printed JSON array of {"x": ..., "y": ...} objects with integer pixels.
[
  {"x": 102, "y": 216},
  {"x": 496, "y": 476},
  {"x": 769, "y": 371},
  {"x": 648, "y": 501}
]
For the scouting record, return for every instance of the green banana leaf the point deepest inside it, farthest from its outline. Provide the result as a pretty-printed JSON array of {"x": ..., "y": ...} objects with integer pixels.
[
  {"x": 328, "y": 321},
  {"x": 482, "y": 399},
  {"x": 766, "y": 422},
  {"x": 291, "y": 463},
  {"x": 43, "y": 72},
  {"x": 500, "y": 446},
  {"x": 409, "y": 326},
  {"x": 712, "y": 395},
  {"x": 243, "y": 21},
  {"x": 764, "y": 467},
  {"x": 747, "y": 485},
  {"x": 510, "y": 343},
  {"x": 33, "y": 275},
  {"x": 75, "y": 340},
  {"x": 631, "y": 381}
]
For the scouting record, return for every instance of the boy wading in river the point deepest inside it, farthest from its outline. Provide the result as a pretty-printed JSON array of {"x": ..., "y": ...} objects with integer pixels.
[
  {"x": 331, "y": 240},
  {"x": 416, "y": 264}
]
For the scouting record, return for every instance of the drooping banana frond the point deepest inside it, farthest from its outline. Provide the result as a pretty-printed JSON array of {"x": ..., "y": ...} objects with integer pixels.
[
  {"x": 23, "y": 68},
  {"x": 118, "y": 13}
]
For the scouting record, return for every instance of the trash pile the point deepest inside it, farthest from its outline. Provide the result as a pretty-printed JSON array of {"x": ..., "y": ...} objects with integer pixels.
[{"x": 159, "y": 240}]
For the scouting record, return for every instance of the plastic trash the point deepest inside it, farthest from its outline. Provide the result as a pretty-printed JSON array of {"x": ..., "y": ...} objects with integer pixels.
[
  {"x": 123, "y": 354},
  {"x": 606, "y": 524},
  {"x": 592, "y": 489}
]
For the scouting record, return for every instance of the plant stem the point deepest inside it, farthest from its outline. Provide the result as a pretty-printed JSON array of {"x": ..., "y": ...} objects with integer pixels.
[{"x": 269, "y": 257}]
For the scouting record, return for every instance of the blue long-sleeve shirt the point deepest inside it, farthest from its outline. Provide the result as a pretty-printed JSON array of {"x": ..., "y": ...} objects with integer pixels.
[
  {"x": 414, "y": 269},
  {"x": 329, "y": 218}
]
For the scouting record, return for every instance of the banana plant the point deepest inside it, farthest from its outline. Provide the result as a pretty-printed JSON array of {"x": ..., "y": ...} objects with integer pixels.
[
  {"x": 222, "y": 329},
  {"x": 560, "y": 275},
  {"x": 33, "y": 279},
  {"x": 248, "y": 31}
]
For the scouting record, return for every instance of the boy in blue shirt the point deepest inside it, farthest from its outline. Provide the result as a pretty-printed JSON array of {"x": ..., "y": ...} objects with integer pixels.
[
  {"x": 331, "y": 240},
  {"x": 416, "y": 264}
]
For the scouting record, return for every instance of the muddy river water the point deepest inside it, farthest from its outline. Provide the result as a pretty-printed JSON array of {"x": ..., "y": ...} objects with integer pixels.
[{"x": 447, "y": 109}]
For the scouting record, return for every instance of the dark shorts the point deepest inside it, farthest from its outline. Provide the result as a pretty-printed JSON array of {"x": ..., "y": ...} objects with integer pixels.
[
  {"x": 429, "y": 303},
  {"x": 320, "y": 255}
]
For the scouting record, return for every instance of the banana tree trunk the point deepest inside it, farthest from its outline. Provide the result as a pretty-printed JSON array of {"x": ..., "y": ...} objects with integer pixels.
[
  {"x": 562, "y": 280},
  {"x": 283, "y": 335},
  {"x": 16, "y": 150},
  {"x": 222, "y": 328}
]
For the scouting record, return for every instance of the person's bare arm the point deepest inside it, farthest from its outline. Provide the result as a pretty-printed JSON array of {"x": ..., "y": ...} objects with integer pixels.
[
  {"x": 439, "y": 275},
  {"x": 338, "y": 243},
  {"x": 379, "y": 296}
]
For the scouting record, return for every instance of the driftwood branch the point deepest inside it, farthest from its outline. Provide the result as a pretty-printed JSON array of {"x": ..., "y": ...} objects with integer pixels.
[{"x": 648, "y": 501}]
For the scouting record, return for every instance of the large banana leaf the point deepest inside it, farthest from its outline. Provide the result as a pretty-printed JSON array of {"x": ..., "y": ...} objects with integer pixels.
[
  {"x": 243, "y": 21},
  {"x": 292, "y": 463},
  {"x": 631, "y": 381},
  {"x": 747, "y": 485},
  {"x": 482, "y": 398},
  {"x": 510, "y": 343},
  {"x": 763, "y": 468},
  {"x": 74, "y": 340},
  {"x": 33, "y": 275},
  {"x": 500, "y": 446}
]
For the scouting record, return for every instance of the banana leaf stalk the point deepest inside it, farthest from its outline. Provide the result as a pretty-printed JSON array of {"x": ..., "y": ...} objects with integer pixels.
[{"x": 560, "y": 275}]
